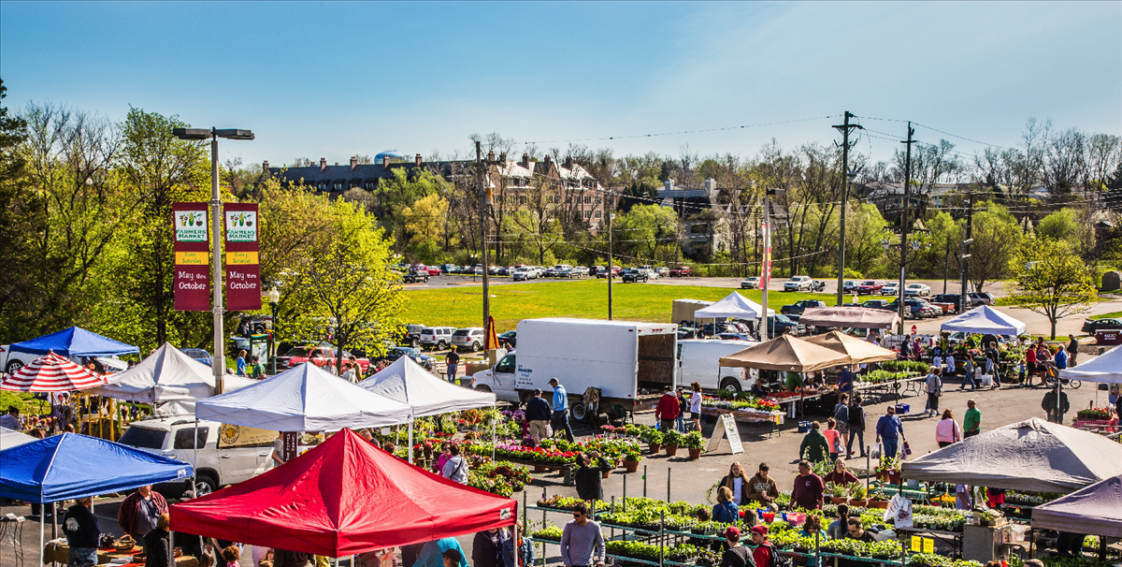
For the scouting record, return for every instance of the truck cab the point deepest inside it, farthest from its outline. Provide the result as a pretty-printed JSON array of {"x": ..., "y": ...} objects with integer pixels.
[{"x": 499, "y": 380}]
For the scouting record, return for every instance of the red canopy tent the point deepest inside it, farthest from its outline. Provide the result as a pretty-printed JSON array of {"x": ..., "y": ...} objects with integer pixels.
[{"x": 342, "y": 498}]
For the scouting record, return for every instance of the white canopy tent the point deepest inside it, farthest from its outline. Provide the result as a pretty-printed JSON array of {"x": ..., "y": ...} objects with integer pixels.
[
  {"x": 733, "y": 305},
  {"x": 1105, "y": 368},
  {"x": 407, "y": 382},
  {"x": 10, "y": 438},
  {"x": 985, "y": 320},
  {"x": 167, "y": 375},
  {"x": 305, "y": 398}
]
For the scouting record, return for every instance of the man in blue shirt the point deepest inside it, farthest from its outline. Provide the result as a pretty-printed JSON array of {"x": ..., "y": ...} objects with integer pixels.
[
  {"x": 1060, "y": 359},
  {"x": 890, "y": 431},
  {"x": 845, "y": 380},
  {"x": 561, "y": 409}
]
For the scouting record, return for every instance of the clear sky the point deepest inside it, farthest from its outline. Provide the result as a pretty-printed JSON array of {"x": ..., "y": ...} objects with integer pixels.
[{"x": 334, "y": 79}]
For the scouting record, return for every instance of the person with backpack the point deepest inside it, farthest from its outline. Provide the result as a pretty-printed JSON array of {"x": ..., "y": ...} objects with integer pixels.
[
  {"x": 814, "y": 447},
  {"x": 456, "y": 468},
  {"x": 841, "y": 415},
  {"x": 855, "y": 417},
  {"x": 736, "y": 555},
  {"x": 764, "y": 555}
]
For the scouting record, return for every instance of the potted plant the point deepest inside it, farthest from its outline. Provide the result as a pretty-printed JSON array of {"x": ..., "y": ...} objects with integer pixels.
[
  {"x": 631, "y": 460},
  {"x": 654, "y": 441},
  {"x": 672, "y": 440},
  {"x": 878, "y": 499},
  {"x": 857, "y": 496},
  {"x": 693, "y": 442},
  {"x": 887, "y": 470},
  {"x": 839, "y": 493}
]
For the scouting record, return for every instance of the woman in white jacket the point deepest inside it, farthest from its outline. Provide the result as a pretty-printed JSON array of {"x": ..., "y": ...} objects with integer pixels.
[{"x": 948, "y": 430}]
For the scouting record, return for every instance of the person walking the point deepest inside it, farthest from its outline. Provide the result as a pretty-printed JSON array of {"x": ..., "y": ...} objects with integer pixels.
[
  {"x": 512, "y": 539},
  {"x": 587, "y": 477},
  {"x": 683, "y": 407},
  {"x": 725, "y": 510},
  {"x": 348, "y": 372},
  {"x": 841, "y": 415},
  {"x": 695, "y": 405},
  {"x": 456, "y": 468},
  {"x": 667, "y": 410},
  {"x": 968, "y": 373},
  {"x": 452, "y": 361},
  {"x": 889, "y": 432},
  {"x": 1072, "y": 350},
  {"x": 538, "y": 414},
  {"x": 82, "y": 533},
  {"x": 560, "y": 418},
  {"x": 736, "y": 555},
  {"x": 809, "y": 488},
  {"x": 815, "y": 448},
  {"x": 934, "y": 387},
  {"x": 950, "y": 362},
  {"x": 992, "y": 367},
  {"x": 833, "y": 438},
  {"x": 947, "y": 430},
  {"x": 762, "y": 489},
  {"x": 856, "y": 420},
  {"x": 1055, "y": 404},
  {"x": 1030, "y": 362},
  {"x": 971, "y": 421},
  {"x": 582, "y": 542},
  {"x": 139, "y": 512},
  {"x": 240, "y": 362}
]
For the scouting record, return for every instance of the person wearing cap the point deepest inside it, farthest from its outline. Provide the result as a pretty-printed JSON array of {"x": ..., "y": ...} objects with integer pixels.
[
  {"x": 736, "y": 555},
  {"x": 560, "y": 419},
  {"x": 764, "y": 555},
  {"x": 538, "y": 415}
]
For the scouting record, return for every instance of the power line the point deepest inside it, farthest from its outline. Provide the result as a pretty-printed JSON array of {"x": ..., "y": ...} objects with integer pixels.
[{"x": 683, "y": 132}]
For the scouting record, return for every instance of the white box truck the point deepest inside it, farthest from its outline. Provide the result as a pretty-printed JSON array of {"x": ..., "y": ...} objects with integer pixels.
[
  {"x": 631, "y": 363},
  {"x": 699, "y": 361}
]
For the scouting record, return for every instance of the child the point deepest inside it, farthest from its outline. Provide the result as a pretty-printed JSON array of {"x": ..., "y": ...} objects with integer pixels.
[{"x": 231, "y": 554}]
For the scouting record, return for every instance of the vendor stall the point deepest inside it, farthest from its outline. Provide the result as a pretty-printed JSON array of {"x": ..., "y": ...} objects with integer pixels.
[
  {"x": 341, "y": 498},
  {"x": 733, "y": 306},
  {"x": 167, "y": 375},
  {"x": 859, "y": 351},
  {"x": 75, "y": 341},
  {"x": 849, "y": 317},
  {"x": 1106, "y": 368},
  {"x": 985, "y": 320},
  {"x": 786, "y": 354}
]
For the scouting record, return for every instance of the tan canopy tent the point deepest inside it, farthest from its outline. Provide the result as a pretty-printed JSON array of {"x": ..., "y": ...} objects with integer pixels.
[
  {"x": 785, "y": 353},
  {"x": 859, "y": 350},
  {"x": 1033, "y": 455},
  {"x": 860, "y": 317},
  {"x": 1095, "y": 510}
]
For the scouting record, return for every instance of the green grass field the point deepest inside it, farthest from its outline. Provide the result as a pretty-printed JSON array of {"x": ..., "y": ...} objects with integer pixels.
[
  {"x": 586, "y": 299},
  {"x": 1111, "y": 315}
]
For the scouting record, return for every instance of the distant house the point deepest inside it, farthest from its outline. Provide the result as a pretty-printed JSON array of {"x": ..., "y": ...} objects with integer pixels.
[{"x": 710, "y": 232}]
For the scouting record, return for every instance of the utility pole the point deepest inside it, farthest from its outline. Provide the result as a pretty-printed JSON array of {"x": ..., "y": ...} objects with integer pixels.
[
  {"x": 845, "y": 128},
  {"x": 484, "y": 201},
  {"x": 765, "y": 262},
  {"x": 963, "y": 299},
  {"x": 904, "y": 222}
]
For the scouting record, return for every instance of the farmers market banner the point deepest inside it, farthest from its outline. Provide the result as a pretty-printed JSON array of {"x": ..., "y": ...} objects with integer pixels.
[
  {"x": 243, "y": 282},
  {"x": 192, "y": 259}
]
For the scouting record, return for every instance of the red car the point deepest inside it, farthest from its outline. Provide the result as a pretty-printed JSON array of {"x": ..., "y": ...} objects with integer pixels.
[
  {"x": 432, "y": 270},
  {"x": 869, "y": 286},
  {"x": 320, "y": 356},
  {"x": 681, "y": 272}
]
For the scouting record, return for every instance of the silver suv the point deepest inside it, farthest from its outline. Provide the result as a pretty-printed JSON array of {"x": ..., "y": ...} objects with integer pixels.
[
  {"x": 436, "y": 337},
  {"x": 471, "y": 338}
]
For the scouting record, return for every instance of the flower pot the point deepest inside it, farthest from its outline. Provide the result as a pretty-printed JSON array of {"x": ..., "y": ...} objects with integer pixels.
[
  {"x": 540, "y": 469},
  {"x": 631, "y": 466},
  {"x": 882, "y": 475},
  {"x": 605, "y": 474},
  {"x": 895, "y": 477},
  {"x": 882, "y": 504},
  {"x": 671, "y": 450},
  {"x": 839, "y": 499},
  {"x": 654, "y": 448},
  {"x": 857, "y": 503},
  {"x": 695, "y": 454}
]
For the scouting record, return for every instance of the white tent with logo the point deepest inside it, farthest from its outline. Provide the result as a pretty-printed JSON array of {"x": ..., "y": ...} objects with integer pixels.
[
  {"x": 984, "y": 320},
  {"x": 1105, "y": 368},
  {"x": 733, "y": 305},
  {"x": 305, "y": 398},
  {"x": 167, "y": 375}
]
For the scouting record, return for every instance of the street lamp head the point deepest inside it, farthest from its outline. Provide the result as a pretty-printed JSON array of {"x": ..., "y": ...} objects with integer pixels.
[
  {"x": 191, "y": 133},
  {"x": 272, "y": 296},
  {"x": 234, "y": 134}
]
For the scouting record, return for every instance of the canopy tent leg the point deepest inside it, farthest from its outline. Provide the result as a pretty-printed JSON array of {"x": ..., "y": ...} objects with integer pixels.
[
  {"x": 493, "y": 442},
  {"x": 410, "y": 438}
]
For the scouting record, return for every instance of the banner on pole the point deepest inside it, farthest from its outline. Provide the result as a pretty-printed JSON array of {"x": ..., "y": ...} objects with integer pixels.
[
  {"x": 192, "y": 258},
  {"x": 243, "y": 282},
  {"x": 765, "y": 264}
]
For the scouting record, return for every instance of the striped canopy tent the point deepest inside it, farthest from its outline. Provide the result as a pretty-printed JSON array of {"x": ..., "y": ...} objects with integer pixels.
[{"x": 51, "y": 373}]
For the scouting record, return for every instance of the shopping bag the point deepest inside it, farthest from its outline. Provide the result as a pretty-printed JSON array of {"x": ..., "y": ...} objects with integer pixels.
[
  {"x": 876, "y": 452},
  {"x": 907, "y": 452},
  {"x": 899, "y": 511}
]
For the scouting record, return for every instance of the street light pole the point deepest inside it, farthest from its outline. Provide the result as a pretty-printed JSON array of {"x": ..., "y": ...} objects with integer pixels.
[
  {"x": 274, "y": 299},
  {"x": 611, "y": 215},
  {"x": 845, "y": 128}
]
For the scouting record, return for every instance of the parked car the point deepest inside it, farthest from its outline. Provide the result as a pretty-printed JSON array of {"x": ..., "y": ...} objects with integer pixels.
[
  {"x": 662, "y": 272},
  {"x": 798, "y": 283},
  {"x": 431, "y": 270},
  {"x": 520, "y": 275},
  {"x": 915, "y": 309},
  {"x": 950, "y": 302},
  {"x": 652, "y": 273},
  {"x": 733, "y": 337},
  {"x": 509, "y": 339},
  {"x": 419, "y": 357},
  {"x": 869, "y": 287},
  {"x": 799, "y": 306},
  {"x": 470, "y": 338},
  {"x": 412, "y": 336},
  {"x": 850, "y": 286},
  {"x": 751, "y": 283},
  {"x": 1091, "y": 326},
  {"x": 877, "y": 304},
  {"x": 416, "y": 276},
  {"x": 981, "y": 298},
  {"x": 891, "y": 288},
  {"x": 635, "y": 275},
  {"x": 918, "y": 289},
  {"x": 780, "y": 324},
  {"x": 571, "y": 273},
  {"x": 681, "y": 272},
  {"x": 436, "y": 337},
  {"x": 321, "y": 356},
  {"x": 198, "y": 354},
  {"x": 449, "y": 269}
]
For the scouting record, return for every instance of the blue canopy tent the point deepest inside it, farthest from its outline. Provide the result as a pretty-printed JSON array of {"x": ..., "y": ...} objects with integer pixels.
[
  {"x": 71, "y": 466},
  {"x": 75, "y": 341}
]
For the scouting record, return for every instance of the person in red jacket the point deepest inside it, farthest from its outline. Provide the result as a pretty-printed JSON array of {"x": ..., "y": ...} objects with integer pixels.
[
  {"x": 667, "y": 411},
  {"x": 764, "y": 555}
]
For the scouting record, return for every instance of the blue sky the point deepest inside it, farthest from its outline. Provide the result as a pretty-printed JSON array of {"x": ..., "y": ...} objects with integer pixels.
[{"x": 324, "y": 79}]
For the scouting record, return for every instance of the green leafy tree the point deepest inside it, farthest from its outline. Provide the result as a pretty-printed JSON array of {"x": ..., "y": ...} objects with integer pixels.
[
  {"x": 22, "y": 215},
  {"x": 645, "y": 227},
  {"x": 400, "y": 192},
  {"x": 1051, "y": 280},
  {"x": 997, "y": 237},
  {"x": 865, "y": 228},
  {"x": 1060, "y": 225}
]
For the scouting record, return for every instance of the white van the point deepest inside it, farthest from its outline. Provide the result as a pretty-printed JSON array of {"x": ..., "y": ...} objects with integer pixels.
[{"x": 699, "y": 360}]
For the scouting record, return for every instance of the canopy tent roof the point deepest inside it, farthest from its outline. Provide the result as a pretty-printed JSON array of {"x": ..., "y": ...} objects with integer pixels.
[
  {"x": 167, "y": 375},
  {"x": 785, "y": 353},
  {"x": 1032, "y": 455},
  {"x": 859, "y": 350},
  {"x": 69, "y": 466},
  {"x": 407, "y": 382},
  {"x": 305, "y": 398},
  {"x": 10, "y": 438},
  {"x": 51, "y": 373},
  {"x": 733, "y": 305},
  {"x": 340, "y": 498},
  {"x": 1095, "y": 510},
  {"x": 1105, "y": 368},
  {"x": 75, "y": 341},
  {"x": 859, "y": 317},
  {"x": 984, "y": 320}
]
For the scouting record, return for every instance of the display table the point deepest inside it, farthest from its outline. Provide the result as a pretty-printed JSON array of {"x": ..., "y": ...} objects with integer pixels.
[
  {"x": 981, "y": 543},
  {"x": 55, "y": 552}
]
